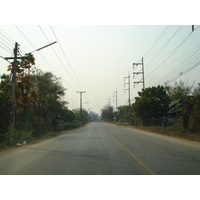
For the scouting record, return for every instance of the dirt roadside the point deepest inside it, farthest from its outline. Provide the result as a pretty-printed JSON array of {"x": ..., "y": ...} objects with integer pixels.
[{"x": 175, "y": 132}]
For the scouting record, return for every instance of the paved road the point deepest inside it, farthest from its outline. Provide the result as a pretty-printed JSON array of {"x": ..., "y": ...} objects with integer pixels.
[{"x": 100, "y": 149}]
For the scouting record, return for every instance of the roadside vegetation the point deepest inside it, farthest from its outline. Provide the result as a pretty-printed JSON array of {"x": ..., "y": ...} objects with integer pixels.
[
  {"x": 41, "y": 110},
  {"x": 169, "y": 109}
]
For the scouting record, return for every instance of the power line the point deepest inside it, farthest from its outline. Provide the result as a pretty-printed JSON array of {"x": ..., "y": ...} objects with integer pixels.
[
  {"x": 6, "y": 41},
  {"x": 42, "y": 56},
  {"x": 184, "y": 72},
  {"x": 170, "y": 54},
  {"x": 44, "y": 59},
  {"x": 190, "y": 58},
  {"x": 164, "y": 46},
  {"x": 58, "y": 57},
  {"x": 4, "y": 49},
  {"x": 7, "y": 37},
  {"x": 156, "y": 41},
  {"x": 65, "y": 55}
]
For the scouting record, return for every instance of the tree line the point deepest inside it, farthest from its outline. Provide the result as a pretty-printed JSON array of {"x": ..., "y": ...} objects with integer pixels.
[
  {"x": 163, "y": 105},
  {"x": 39, "y": 104}
]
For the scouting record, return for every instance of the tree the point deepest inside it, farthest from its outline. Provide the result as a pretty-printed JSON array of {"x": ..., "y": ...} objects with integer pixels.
[
  {"x": 5, "y": 101},
  {"x": 49, "y": 96},
  {"x": 94, "y": 117},
  {"x": 107, "y": 113},
  {"x": 25, "y": 93},
  {"x": 178, "y": 91},
  {"x": 153, "y": 102},
  {"x": 67, "y": 115},
  {"x": 181, "y": 91}
]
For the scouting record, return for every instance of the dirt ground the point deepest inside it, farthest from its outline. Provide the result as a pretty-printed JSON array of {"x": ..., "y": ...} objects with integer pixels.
[{"x": 173, "y": 131}]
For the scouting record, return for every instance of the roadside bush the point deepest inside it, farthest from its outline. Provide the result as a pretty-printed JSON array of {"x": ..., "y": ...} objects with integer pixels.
[
  {"x": 49, "y": 134},
  {"x": 21, "y": 136},
  {"x": 65, "y": 126},
  {"x": 194, "y": 122}
]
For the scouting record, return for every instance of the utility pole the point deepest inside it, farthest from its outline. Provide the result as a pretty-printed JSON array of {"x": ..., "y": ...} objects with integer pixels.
[
  {"x": 12, "y": 112},
  {"x": 136, "y": 64},
  {"x": 129, "y": 91},
  {"x": 108, "y": 100},
  {"x": 115, "y": 98},
  {"x": 81, "y": 92},
  {"x": 129, "y": 95}
]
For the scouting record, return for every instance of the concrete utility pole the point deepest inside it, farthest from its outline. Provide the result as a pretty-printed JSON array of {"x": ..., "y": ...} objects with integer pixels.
[
  {"x": 129, "y": 91},
  {"x": 12, "y": 112},
  {"x": 115, "y": 98},
  {"x": 81, "y": 92},
  {"x": 129, "y": 95},
  {"x": 108, "y": 101},
  {"x": 136, "y": 64}
]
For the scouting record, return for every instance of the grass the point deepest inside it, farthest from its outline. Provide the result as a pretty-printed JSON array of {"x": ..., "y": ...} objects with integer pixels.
[
  {"x": 175, "y": 131},
  {"x": 21, "y": 136}
]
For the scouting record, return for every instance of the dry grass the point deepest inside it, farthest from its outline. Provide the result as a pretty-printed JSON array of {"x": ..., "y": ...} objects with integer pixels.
[{"x": 174, "y": 131}]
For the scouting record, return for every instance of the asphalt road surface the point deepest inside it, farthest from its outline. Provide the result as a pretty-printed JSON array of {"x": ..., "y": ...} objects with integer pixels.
[{"x": 104, "y": 149}]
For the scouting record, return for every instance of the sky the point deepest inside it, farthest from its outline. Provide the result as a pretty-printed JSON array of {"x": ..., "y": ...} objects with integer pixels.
[{"x": 97, "y": 58}]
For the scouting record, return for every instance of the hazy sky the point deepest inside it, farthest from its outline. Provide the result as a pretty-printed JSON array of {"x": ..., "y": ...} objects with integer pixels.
[{"x": 101, "y": 56}]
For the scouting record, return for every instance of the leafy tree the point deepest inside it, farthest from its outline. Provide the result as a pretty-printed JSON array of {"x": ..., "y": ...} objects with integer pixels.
[
  {"x": 5, "y": 102},
  {"x": 178, "y": 91},
  {"x": 67, "y": 115},
  {"x": 49, "y": 96},
  {"x": 183, "y": 92},
  {"x": 84, "y": 117},
  {"x": 107, "y": 113},
  {"x": 25, "y": 93},
  {"x": 152, "y": 102},
  {"x": 94, "y": 117},
  {"x": 124, "y": 113}
]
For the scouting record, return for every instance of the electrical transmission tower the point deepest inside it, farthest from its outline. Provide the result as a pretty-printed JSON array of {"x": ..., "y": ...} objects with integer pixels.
[
  {"x": 142, "y": 72},
  {"x": 81, "y": 92}
]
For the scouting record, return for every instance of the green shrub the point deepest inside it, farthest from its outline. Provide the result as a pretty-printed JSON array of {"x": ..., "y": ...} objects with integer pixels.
[
  {"x": 65, "y": 126},
  {"x": 49, "y": 134},
  {"x": 21, "y": 136}
]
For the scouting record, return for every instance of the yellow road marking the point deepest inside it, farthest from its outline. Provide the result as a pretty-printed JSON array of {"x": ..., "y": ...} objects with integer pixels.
[{"x": 135, "y": 157}]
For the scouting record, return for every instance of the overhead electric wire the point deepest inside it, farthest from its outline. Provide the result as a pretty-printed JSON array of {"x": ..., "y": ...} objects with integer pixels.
[
  {"x": 184, "y": 72},
  {"x": 42, "y": 56},
  {"x": 65, "y": 56},
  {"x": 163, "y": 46},
  {"x": 4, "y": 59},
  {"x": 186, "y": 61},
  {"x": 68, "y": 60},
  {"x": 11, "y": 45},
  {"x": 156, "y": 41},
  {"x": 170, "y": 54},
  {"x": 6, "y": 46},
  {"x": 46, "y": 61},
  {"x": 58, "y": 57},
  {"x": 5, "y": 49},
  {"x": 7, "y": 37},
  {"x": 183, "y": 63}
]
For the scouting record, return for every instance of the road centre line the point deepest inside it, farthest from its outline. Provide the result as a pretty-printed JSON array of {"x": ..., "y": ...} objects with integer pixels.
[{"x": 134, "y": 156}]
